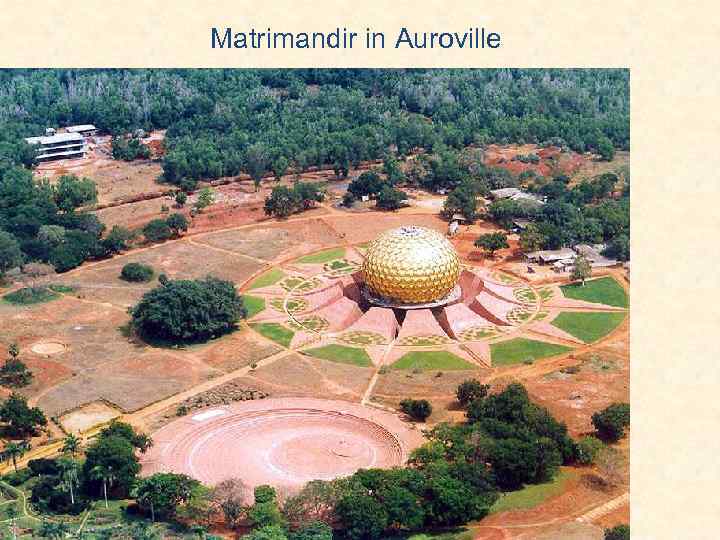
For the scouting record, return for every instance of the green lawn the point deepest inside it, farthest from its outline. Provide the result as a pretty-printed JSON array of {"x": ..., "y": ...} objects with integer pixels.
[
  {"x": 275, "y": 331},
  {"x": 518, "y": 350},
  {"x": 588, "y": 327},
  {"x": 432, "y": 360},
  {"x": 342, "y": 354},
  {"x": 531, "y": 496},
  {"x": 323, "y": 256},
  {"x": 253, "y": 304},
  {"x": 271, "y": 277},
  {"x": 601, "y": 291}
]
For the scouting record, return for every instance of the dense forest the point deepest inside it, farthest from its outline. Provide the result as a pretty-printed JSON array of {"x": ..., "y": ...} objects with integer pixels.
[{"x": 224, "y": 122}]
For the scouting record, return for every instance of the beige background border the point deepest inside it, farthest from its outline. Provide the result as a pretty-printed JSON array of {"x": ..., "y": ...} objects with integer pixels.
[{"x": 672, "y": 49}]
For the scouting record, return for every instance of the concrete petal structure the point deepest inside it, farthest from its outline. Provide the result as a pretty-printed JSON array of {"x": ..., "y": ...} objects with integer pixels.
[{"x": 410, "y": 265}]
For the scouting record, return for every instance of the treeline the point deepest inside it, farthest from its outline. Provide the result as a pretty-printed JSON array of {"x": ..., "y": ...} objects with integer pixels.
[{"x": 222, "y": 122}]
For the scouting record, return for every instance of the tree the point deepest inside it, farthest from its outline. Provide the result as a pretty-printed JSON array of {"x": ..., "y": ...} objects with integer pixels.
[
  {"x": 10, "y": 254},
  {"x": 15, "y": 451},
  {"x": 68, "y": 477},
  {"x": 164, "y": 493},
  {"x": 280, "y": 167},
  {"x": 315, "y": 530},
  {"x": 368, "y": 183},
  {"x": 619, "y": 532},
  {"x": 581, "y": 269},
  {"x": 112, "y": 461},
  {"x": 618, "y": 248},
  {"x": 491, "y": 242},
  {"x": 470, "y": 390},
  {"x": 390, "y": 198},
  {"x": 72, "y": 192},
  {"x": 281, "y": 202},
  {"x": 265, "y": 511},
  {"x": 392, "y": 170},
  {"x": 417, "y": 409},
  {"x": 461, "y": 200},
  {"x": 71, "y": 445},
  {"x": 180, "y": 198},
  {"x": 363, "y": 517},
  {"x": 106, "y": 475},
  {"x": 588, "y": 449},
  {"x": 117, "y": 240},
  {"x": 22, "y": 419},
  {"x": 268, "y": 532},
  {"x": 605, "y": 148},
  {"x": 157, "y": 230},
  {"x": 14, "y": 373},
  {"x": 205, "y": 198},
  {"x": 256, "y": 163},
  {"x": 532, "y": 239},
  {"x": 612, "y": 421},
  {"x": 137, "y": 272},
  {"x": 49, "y": 529},
  {"x": 229, "y": 496},
  {"x": 188, "y": 310},
  {"x": 177, "y": 222}
]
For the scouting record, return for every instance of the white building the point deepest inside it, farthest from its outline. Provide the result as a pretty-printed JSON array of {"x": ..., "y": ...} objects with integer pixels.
[{"x": 60, "y": 146}]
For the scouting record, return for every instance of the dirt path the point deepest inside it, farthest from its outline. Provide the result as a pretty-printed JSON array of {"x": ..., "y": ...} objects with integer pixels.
[{"x": 604, "y": 509}]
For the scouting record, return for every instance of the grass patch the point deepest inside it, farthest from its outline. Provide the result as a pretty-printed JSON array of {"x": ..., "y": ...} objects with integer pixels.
[
  {"x": 271, "y": 277},
  {"x": 533, "y": 495},
  {"x": 342, "y": 354},
  {"x": 588, "y": 327},
  {"x": 60, "y": 288},
  {"x": 275, "y": 332},
  {"x": 432, "y": 360},
  {"x": 31, "y": 295},
  {"x": 253, "y": 304},
  {"x": 600, "y": 291},
  {"x": 515, "y": 351},
  {"x": 323, "y": 256}
]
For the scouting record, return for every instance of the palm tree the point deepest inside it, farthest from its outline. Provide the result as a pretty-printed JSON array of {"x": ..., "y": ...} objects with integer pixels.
[
  {"x": 68, "y": 474},
  {"x": 106, "y": 474},
  {"x": 15, "y": 451},
  {"x": 71, "y": 445}
]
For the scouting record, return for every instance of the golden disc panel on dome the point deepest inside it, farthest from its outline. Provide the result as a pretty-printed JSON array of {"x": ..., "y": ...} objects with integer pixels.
[{"x": 411, "y": 265}]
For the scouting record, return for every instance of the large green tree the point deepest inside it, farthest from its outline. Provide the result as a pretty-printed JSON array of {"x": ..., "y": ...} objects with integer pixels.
[{"x": 188, "y": 310}]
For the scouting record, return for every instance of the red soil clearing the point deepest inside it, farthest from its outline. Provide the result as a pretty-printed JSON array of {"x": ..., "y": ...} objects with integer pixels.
[{"x": 281, "y": 442}]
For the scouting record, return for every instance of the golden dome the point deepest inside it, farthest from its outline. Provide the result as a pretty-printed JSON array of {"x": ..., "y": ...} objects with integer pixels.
[{"x": 411, "y": 265}]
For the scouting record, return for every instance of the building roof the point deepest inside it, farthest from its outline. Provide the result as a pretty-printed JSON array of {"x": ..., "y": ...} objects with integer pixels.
[
  {"x": 55, "y": 139},
  {"x": 521, "y": 223},
  {"x": 504, "y": 193},
  {"x": 80, "y": 128},
  {"x": 552, "y": 255},
  {"x": 594, "y": 254}
]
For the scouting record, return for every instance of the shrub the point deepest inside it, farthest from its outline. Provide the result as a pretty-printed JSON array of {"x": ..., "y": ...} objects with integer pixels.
[
  {"x": 18, "y": 478},
  {"x": 180, "y": 198},
  {"x": 157, "y": 231},
  {"x": 612, "y": 421},
  {"x": 137, "y": 272},
  {"x": 619, "y": 532},
  {"x": 417, "y": 409}
]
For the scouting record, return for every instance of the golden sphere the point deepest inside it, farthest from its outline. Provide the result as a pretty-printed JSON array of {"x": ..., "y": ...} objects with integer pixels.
[{"x": 411, "y": 265}]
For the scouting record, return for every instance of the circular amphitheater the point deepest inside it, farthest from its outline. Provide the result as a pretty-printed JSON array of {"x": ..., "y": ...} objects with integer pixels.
[{"x": 282, "y": 442}]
